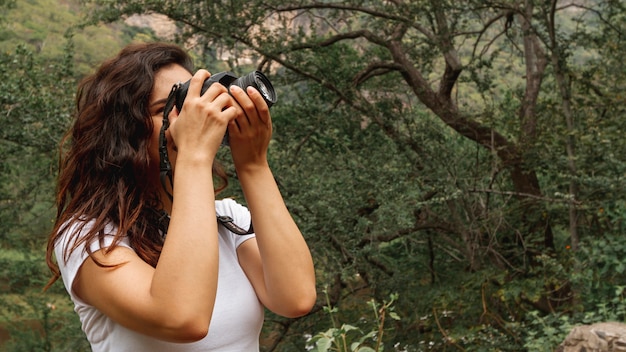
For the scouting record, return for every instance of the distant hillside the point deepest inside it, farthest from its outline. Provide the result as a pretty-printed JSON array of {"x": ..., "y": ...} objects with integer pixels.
[{"x": 42, "y": 25}]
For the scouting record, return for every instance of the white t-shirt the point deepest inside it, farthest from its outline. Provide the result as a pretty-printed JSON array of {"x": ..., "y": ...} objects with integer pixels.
[{"x": 237, "y": 316}]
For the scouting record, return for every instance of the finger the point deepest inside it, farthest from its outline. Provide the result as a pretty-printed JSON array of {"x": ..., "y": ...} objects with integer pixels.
[
  {"x": 235, "y": 125},
  {"x": 241, "y": 97},
  {"x": 231, "y": 111},
  {"x": 221, "y": 100},
  {"x": 248, "y": 111},
  {"x": 195, "y": 85},
  {"x": 215, "y": 91},
  {"x": 261, "y": 108}
]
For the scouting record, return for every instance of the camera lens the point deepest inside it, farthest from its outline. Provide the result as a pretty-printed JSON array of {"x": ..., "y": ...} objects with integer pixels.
[
  {"x": 259, "y": 81},
  {"x": 263, "y": 89}
]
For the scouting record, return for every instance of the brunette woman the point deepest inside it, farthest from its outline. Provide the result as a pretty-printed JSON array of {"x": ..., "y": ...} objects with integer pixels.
[{"x": 149, "y": 268}]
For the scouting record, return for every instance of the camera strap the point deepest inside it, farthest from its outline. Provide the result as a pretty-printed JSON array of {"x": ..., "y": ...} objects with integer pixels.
[
  {"x": 165, "y": 165},
  {"x": 166, "y": 171}
]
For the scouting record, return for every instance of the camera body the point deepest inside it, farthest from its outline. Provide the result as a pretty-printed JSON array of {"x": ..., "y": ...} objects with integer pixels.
[{"x": 255, "y": 79}]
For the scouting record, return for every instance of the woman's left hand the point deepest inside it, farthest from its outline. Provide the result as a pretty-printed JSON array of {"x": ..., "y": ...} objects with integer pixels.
[
  {"x": 250, "y": 132},
  {"x": 277, "y": 261}
]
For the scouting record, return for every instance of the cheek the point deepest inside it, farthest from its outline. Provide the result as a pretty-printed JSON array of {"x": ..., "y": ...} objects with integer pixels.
[
  {"x": 153, "y": 148},
  {"x": 153, "y": 162}
]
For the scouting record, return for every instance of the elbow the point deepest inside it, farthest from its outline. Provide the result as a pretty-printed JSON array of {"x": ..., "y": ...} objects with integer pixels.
[
  {"x": 302, "y": 305},
  {"x": 186, "y": 330},
  {"x": 298, "y": 312},
  {"x": 193, "y": 333}
]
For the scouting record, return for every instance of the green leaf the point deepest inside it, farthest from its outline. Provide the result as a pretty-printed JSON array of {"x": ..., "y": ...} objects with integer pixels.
[
  {"x": 394, "y": 315},
  {"x": 323, "y": 344}
]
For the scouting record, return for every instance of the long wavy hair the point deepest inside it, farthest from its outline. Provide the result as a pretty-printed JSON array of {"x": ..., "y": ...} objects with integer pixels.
[{"x": 104, "y": 166}]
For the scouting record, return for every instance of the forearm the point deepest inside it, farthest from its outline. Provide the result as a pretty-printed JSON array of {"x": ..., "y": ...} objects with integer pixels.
[
  {"x": 186, "y": 273},
  {"x": 287, "y": 264}
]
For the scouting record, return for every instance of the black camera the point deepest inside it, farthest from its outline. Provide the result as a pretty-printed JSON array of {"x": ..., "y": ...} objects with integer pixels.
[{"x": 255, "y": 79}]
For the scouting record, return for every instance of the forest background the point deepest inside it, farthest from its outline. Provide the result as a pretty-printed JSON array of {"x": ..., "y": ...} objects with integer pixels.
[{"x": 457, "y": 167}]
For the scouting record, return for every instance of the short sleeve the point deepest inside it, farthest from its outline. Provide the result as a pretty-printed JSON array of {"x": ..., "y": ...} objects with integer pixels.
[
  {"x": 240, "y": 215},
  {"x": 69, "y": 265}
]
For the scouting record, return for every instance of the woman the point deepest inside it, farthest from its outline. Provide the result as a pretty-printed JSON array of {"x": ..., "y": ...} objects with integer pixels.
[{"x": 200, "y": 287}]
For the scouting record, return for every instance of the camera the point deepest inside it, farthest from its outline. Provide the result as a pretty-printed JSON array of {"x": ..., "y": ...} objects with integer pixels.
[{"x": 255, "y": 79}]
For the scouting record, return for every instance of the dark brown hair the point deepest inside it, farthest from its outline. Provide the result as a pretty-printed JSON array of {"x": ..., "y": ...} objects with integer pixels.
[{"x": 104, "y": 164}]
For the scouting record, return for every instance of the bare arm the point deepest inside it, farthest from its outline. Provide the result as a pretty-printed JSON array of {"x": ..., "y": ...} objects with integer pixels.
[
  {"x": 175, "y": 300},
  {"x": 278, "y": 262}
]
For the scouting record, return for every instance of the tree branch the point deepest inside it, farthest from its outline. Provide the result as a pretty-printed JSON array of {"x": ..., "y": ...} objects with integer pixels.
[{"x": 375, "y": 13}]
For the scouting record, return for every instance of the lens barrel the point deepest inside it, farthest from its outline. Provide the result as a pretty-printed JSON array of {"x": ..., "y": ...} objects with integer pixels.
[{"x": 259, "y": 81}]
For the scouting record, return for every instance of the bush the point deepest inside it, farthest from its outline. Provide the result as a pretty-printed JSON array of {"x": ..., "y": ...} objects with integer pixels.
[{"x": 349, "y": 337}]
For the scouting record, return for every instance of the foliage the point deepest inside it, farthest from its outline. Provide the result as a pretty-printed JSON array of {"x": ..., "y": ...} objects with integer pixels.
[
  {"x": 348, "y": 337},
  {"x": 36, "y": 100},
  {"x": 466, "y": 155},
  {"x": 599, "y": 281},
  {"x": 36, "y": 97},
  {"x": 420, "y": 146},
  {"x": 34, "y": 320}
]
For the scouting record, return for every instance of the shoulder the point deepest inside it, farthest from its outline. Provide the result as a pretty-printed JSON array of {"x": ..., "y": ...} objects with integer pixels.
[
  {"x": 77, "y": 238},
  {"x": 240, "y": 216},
  {"x": 229, "y": 206},
  {"x": 74, "y": 245}
]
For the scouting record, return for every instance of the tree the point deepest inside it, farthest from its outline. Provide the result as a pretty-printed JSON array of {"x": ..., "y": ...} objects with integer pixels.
[
  {"x": 37, "y": 100},
  {"x": 420, "y": 141},
  {"x": 36, "y": 95}
]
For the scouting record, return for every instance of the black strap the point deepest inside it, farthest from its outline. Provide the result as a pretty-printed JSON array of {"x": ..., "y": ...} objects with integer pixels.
[
  {"x": 165, "y": 165},
  {"x": 229, "y": 223},
  {"x": 166, "y": 172},
  {"x": 226, "y": 221}
]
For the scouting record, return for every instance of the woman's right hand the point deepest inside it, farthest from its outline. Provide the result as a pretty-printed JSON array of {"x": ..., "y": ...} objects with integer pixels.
[{"x": 198, "y": 129}]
